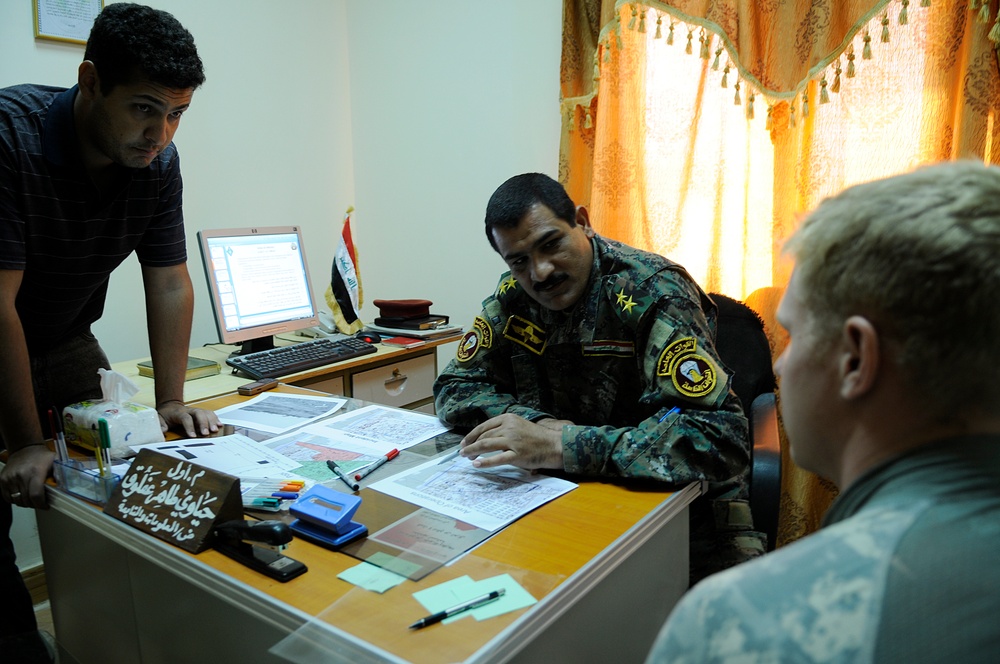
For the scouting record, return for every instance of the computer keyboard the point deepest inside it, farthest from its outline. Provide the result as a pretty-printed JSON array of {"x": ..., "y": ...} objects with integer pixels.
[{"x": 286, "y": 360}]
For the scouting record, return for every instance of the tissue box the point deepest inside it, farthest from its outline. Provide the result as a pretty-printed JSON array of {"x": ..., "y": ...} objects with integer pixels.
[{"x": 128, "y": 424}]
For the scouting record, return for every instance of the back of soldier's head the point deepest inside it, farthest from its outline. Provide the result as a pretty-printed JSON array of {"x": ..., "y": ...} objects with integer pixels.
[
  {"x": 918, "y": 255},
  {"x": 130, "y": 42}
]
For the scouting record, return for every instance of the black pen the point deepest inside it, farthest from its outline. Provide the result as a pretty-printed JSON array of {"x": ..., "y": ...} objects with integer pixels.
[
  {"x": 332, "y": 465},
  {"x": 465, "y": 606}
]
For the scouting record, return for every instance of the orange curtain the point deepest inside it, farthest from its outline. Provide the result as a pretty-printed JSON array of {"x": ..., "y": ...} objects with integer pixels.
[{"x": 704, "y": 129}]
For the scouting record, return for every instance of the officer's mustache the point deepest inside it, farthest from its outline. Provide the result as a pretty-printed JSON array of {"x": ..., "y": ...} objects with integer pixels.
[{"x": 550, "y": 283}]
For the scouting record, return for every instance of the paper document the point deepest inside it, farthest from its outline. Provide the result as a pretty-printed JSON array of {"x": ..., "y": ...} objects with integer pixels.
[
  {"x": 488, "y": 499},
  {"x": 236, "y": 455},
  {"x": 381, "y": 425},
  {"x": 278, "y": 413}
]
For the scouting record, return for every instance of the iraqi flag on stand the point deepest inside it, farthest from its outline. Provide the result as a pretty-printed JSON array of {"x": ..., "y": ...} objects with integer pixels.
[{"x": 344, "y": 293}]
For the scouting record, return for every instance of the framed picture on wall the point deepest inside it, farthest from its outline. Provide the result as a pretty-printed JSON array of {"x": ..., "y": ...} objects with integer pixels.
[{"x": 65, "y": 20}]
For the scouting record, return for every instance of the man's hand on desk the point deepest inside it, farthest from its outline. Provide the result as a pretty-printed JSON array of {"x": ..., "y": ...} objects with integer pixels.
[
  {"x": 194, "y": 422},
  {"x": 22, "y": 481},
  {"x": 521, "y": 443}
]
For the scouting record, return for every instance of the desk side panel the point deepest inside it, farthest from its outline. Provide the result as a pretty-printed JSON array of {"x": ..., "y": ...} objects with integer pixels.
[{"x": 89, "y": 581}]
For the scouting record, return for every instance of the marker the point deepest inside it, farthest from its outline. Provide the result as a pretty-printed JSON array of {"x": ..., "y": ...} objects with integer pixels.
[
  {"x": 670, "y": 412},
  {"x": 265, "y": 504},
  {"x": 104, "y": 454},
  {"x": 332, "y": 465},
  {"x": 375, "y": 465},
  {"x": 57, "y": 434},
  {"x": 465, "y": 606}
]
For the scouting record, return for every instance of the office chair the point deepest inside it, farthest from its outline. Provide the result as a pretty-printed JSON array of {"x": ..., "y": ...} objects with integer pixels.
[
  {"x": 743, "y": 347},
  {"x": 765, "y": 466}
]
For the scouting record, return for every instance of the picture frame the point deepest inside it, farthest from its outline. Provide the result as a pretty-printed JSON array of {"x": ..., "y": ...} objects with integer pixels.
[{"x": 66, "y": 21}]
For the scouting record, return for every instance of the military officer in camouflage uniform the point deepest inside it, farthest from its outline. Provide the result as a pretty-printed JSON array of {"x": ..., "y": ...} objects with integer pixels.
[{"x": 598, "y": 359}]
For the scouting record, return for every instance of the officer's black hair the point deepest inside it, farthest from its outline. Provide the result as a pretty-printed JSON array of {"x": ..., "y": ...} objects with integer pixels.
[{"x": 514, "y": 199}]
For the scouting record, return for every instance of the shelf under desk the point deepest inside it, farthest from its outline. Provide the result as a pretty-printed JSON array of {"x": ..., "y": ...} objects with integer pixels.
[{"x": 606, "y": 561}]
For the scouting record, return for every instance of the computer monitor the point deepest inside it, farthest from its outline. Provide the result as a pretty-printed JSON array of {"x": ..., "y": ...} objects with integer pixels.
[{"x": 259, "y": 282}]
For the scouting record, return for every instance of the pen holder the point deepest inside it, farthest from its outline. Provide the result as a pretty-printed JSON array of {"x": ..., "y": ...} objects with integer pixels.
[{"x": 84, "y": 480}]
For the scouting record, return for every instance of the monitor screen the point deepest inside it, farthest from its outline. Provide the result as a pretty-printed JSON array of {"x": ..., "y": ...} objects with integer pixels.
[{"x": 259, "y": 282}]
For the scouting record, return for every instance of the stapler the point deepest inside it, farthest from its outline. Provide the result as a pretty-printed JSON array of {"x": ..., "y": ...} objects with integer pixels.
[
  {"x": 258, "y": 545},
  {"x": 323, "y": 516}
]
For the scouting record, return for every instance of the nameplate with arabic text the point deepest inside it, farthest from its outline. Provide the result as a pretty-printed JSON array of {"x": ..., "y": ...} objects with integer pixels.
[{"x": 175, "y": 500}]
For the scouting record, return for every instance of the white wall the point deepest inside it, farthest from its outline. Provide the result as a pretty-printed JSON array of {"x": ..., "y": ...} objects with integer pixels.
[
  {"x": 449, "y": 98},
  {"x": 412, "y": 112}
]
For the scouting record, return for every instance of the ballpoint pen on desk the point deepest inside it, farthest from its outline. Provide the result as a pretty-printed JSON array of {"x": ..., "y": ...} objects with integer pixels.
[
  {"x": 55, "y": 421},
  {"x": 348, "y": 480},
  {"x": 465, "y": 606},
  {"x": 104, "y": 453},
  {"x": 364, "y": 472}
]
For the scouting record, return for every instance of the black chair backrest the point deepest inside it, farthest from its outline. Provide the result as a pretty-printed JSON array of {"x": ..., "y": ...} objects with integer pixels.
[{"x": 742, "y": 345}]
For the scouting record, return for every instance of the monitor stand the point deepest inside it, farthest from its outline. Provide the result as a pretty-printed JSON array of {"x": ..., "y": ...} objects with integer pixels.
[{"x": 255, "y": 345}]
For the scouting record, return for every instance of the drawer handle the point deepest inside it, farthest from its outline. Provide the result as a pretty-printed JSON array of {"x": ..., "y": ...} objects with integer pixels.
[{"x": 397, "y": 383}]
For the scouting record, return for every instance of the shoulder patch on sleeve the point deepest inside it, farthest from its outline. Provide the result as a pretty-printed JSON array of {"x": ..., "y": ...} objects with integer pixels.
[
  {"x": 480, "y": 336},
  {"x": 694, "y": 376}
]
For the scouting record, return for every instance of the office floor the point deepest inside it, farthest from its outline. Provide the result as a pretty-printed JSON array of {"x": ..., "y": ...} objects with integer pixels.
[{"x": 43, "y": 614}]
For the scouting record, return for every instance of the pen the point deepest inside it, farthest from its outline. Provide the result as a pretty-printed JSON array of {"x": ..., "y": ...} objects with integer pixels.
[
  {"x": 465, "y": 606},
  {"x": 361, "y": 474},
  {"x": 342, "y": 475},
  {"x": 55, "y": 422},
  {"x": 104, "y": 453},
  {"x": 670, "y": 412}
]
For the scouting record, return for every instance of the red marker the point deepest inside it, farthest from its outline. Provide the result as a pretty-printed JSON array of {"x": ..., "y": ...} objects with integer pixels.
[{"x": 372, "y": 466}]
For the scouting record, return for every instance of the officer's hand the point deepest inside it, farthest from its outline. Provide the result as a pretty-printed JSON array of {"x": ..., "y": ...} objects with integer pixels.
[
  {"x": 193, "y": 422},
  {"x": 22, "y": 481},
  {"x": 517, "y": 442}
]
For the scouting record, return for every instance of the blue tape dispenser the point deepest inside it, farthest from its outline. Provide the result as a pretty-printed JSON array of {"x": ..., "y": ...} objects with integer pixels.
[{"x": 323, "y": 516}]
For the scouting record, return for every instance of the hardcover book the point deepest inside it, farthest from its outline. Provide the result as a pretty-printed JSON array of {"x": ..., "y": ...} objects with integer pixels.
[{"x": 196, "y": 368}]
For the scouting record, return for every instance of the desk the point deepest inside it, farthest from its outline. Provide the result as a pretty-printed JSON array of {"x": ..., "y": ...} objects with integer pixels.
[
  {"x": 393, "y": 376},
  {"x": 606, "y": 562}
]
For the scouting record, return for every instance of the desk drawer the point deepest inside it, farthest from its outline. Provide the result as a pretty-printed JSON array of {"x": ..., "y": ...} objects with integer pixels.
[{"x": 396, "y": 384}]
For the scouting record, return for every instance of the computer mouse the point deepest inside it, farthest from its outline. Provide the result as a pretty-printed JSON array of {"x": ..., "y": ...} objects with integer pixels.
[{"x": 369, "y": 336}]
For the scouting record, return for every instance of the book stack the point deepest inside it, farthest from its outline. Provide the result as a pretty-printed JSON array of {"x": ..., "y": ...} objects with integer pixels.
[
  {"x": 196, "y": 368},
  {"x": 411, "y": 318}
]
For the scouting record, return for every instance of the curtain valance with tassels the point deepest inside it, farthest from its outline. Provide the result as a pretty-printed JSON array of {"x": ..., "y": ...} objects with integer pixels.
[{"x": 751, "y": 39}]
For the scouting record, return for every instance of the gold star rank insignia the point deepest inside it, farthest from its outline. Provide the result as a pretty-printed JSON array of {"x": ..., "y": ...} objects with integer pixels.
[
  {"x": 625, "y": 301},
  {"x": 508, "y": 284}
]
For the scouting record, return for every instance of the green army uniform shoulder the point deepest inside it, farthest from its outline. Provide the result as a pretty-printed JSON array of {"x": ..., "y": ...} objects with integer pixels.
[{"x": 487, "y": 327}]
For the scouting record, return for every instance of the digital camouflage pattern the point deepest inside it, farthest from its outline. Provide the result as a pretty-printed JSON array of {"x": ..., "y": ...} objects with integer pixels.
[
  {"x": 904, "y": 570},
  {"x": 633, "y": 365}
]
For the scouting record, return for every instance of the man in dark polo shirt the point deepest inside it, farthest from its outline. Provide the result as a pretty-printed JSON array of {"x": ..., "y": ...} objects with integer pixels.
[{"x": 87, "y": 176}]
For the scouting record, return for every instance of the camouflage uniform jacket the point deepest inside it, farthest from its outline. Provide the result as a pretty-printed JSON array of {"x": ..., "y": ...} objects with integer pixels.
[
  {"x": 634, "y": 367},
  {"x": 903, "y": 570}
]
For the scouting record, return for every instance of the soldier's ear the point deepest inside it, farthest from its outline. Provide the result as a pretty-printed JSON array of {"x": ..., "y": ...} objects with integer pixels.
[{"x": 583, "y": 221}]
